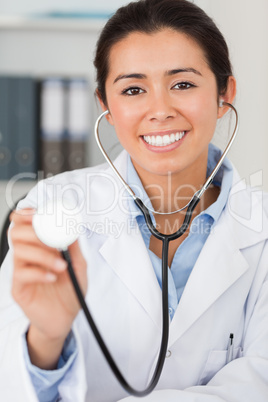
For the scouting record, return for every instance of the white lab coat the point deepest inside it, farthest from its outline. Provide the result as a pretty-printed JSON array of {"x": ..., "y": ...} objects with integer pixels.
[{"x": 227, "y": 292}]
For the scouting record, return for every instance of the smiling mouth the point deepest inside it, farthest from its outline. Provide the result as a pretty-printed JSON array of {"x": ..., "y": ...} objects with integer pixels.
[{"x": 163, "y": 140}]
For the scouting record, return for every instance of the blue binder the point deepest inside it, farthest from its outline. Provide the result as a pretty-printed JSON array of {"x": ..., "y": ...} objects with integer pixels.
[
  {"x": 5, "y": 138},
  {"x": 18, "y": 127},
  {"x": 23, "y": 117}
]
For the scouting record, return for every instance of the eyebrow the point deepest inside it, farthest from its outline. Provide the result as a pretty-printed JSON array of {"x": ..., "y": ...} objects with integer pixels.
[
  {"x": 167, "y": 73},
  {"x": 125, "y": 76},
  {"x": 183, "y": 70}
]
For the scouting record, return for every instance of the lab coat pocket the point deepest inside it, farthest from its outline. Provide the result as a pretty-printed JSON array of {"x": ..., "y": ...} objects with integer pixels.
[{"x": 215, "y": 362}]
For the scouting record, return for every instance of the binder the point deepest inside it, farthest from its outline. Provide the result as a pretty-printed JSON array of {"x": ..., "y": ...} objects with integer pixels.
[
  {"x": 5, "y": 138},
  {"x": 78, "y": 123},
  {"x": 23, "y": 125},
  {"x": 52, "y": 104},
  {"x": 18, "y": 126}
]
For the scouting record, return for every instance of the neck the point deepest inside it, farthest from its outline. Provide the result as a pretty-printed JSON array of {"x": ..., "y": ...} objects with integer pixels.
[{"x": 172, "y": 191}]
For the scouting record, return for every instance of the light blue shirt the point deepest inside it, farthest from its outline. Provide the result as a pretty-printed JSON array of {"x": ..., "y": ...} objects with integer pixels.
[
  {"x": 46, "y": 382},
  {"x": 187, "y": 253}
]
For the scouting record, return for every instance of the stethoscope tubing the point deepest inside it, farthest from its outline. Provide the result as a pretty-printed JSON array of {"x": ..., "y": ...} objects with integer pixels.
[
  {"x": 165, "y": 327},
  {"x": 165, "y": 238},
  {"x": 165, "y": 311}
]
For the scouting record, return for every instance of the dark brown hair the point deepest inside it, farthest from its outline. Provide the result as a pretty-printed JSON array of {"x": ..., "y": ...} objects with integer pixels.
[{"x": 149, "y": 16}]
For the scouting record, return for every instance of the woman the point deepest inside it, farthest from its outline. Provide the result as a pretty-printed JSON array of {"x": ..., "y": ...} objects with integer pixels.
[{"x": 163, "y": 71}]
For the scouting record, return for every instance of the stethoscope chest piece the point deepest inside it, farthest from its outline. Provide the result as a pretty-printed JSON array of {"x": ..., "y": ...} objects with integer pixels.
[{"x": 55, "y": 223}]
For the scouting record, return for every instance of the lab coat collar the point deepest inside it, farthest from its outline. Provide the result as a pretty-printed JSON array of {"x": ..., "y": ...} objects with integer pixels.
[
  {"x": 245, "y": 214},
  {"x": 107, "y": 199}
]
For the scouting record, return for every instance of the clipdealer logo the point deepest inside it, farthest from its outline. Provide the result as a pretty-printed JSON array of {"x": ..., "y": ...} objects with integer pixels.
[{"x": 249, "y": 215}]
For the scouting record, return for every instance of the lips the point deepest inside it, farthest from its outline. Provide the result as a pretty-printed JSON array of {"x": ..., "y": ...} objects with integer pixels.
[{"x": 164, "y": 139}]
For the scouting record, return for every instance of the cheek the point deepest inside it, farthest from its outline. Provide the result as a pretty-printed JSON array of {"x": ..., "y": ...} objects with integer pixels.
[
  {"x": 124, "y": 117},
  {"x": 203, "y": 113}
]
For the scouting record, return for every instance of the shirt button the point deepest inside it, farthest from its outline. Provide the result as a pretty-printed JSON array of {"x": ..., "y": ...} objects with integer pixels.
[
  {"x": 170, "y": 311},
  {"x": 168, "y": 354}
]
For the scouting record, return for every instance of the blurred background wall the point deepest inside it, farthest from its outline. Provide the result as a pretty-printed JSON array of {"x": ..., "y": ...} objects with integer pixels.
[{"x": 34, "y": 43}]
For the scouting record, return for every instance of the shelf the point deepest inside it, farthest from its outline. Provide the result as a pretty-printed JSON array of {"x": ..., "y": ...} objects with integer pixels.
[{"x": 55, "y": 24}]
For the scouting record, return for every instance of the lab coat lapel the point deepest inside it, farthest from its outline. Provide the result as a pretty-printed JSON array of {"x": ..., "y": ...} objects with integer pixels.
[
  {"x": 123, "y": 247},
  {"x": 221, "y": 262},
  {"x": 211, "y": 277},
  {"x": 129, "y": 258}
]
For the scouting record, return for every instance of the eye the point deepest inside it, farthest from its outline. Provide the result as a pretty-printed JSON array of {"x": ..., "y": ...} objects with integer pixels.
[
  {"x": 183, "y": 85},
  {"x": 132, "y": 91}
]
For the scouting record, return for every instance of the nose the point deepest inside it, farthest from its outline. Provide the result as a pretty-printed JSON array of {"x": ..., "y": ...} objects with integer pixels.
[{"x": 160, "y": 107}]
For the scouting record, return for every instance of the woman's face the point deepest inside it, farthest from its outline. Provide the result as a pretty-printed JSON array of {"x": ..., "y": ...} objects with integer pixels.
[{"x": 163, "y": 101}]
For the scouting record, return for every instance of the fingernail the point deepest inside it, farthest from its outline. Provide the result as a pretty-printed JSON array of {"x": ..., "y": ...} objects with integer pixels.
[
  {"x": 60, "y": 265},
  {"x": 51, "y": 277}
]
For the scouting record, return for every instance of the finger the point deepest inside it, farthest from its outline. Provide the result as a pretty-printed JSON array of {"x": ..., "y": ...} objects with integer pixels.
[
  {"x": 32, "y": 275},
  {"x": 48, "y": 259},
  {"x": 22, "y": 215},
  {"x": 24, "y": 233}
]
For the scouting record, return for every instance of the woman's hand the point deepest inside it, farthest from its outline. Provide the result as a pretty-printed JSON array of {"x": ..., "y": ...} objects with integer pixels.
[{"x": 42, "y": 288}]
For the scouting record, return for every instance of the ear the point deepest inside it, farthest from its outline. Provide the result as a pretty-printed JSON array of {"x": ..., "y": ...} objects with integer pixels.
[
  {"x": 228, "y": 96},
  {"x": 104, "y": 107}
]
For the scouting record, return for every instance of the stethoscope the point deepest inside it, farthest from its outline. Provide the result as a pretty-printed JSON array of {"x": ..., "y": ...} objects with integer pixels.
[{"x": 39, "y": 224}]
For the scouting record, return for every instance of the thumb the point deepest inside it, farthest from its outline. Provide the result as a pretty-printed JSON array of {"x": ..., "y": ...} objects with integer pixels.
[
  {"x": 76, "y": 255},
  {"x": 79, "y": 264}
]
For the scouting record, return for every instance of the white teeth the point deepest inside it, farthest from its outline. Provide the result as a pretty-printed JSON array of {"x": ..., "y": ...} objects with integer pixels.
[
  {"x": 159, "y": 141},
  {"x": 162, "y": 141},
  {"x": 166, "y": 139}
]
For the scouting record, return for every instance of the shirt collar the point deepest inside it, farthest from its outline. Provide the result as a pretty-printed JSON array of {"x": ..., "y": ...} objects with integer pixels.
[{"x": 223, "y": 179}]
